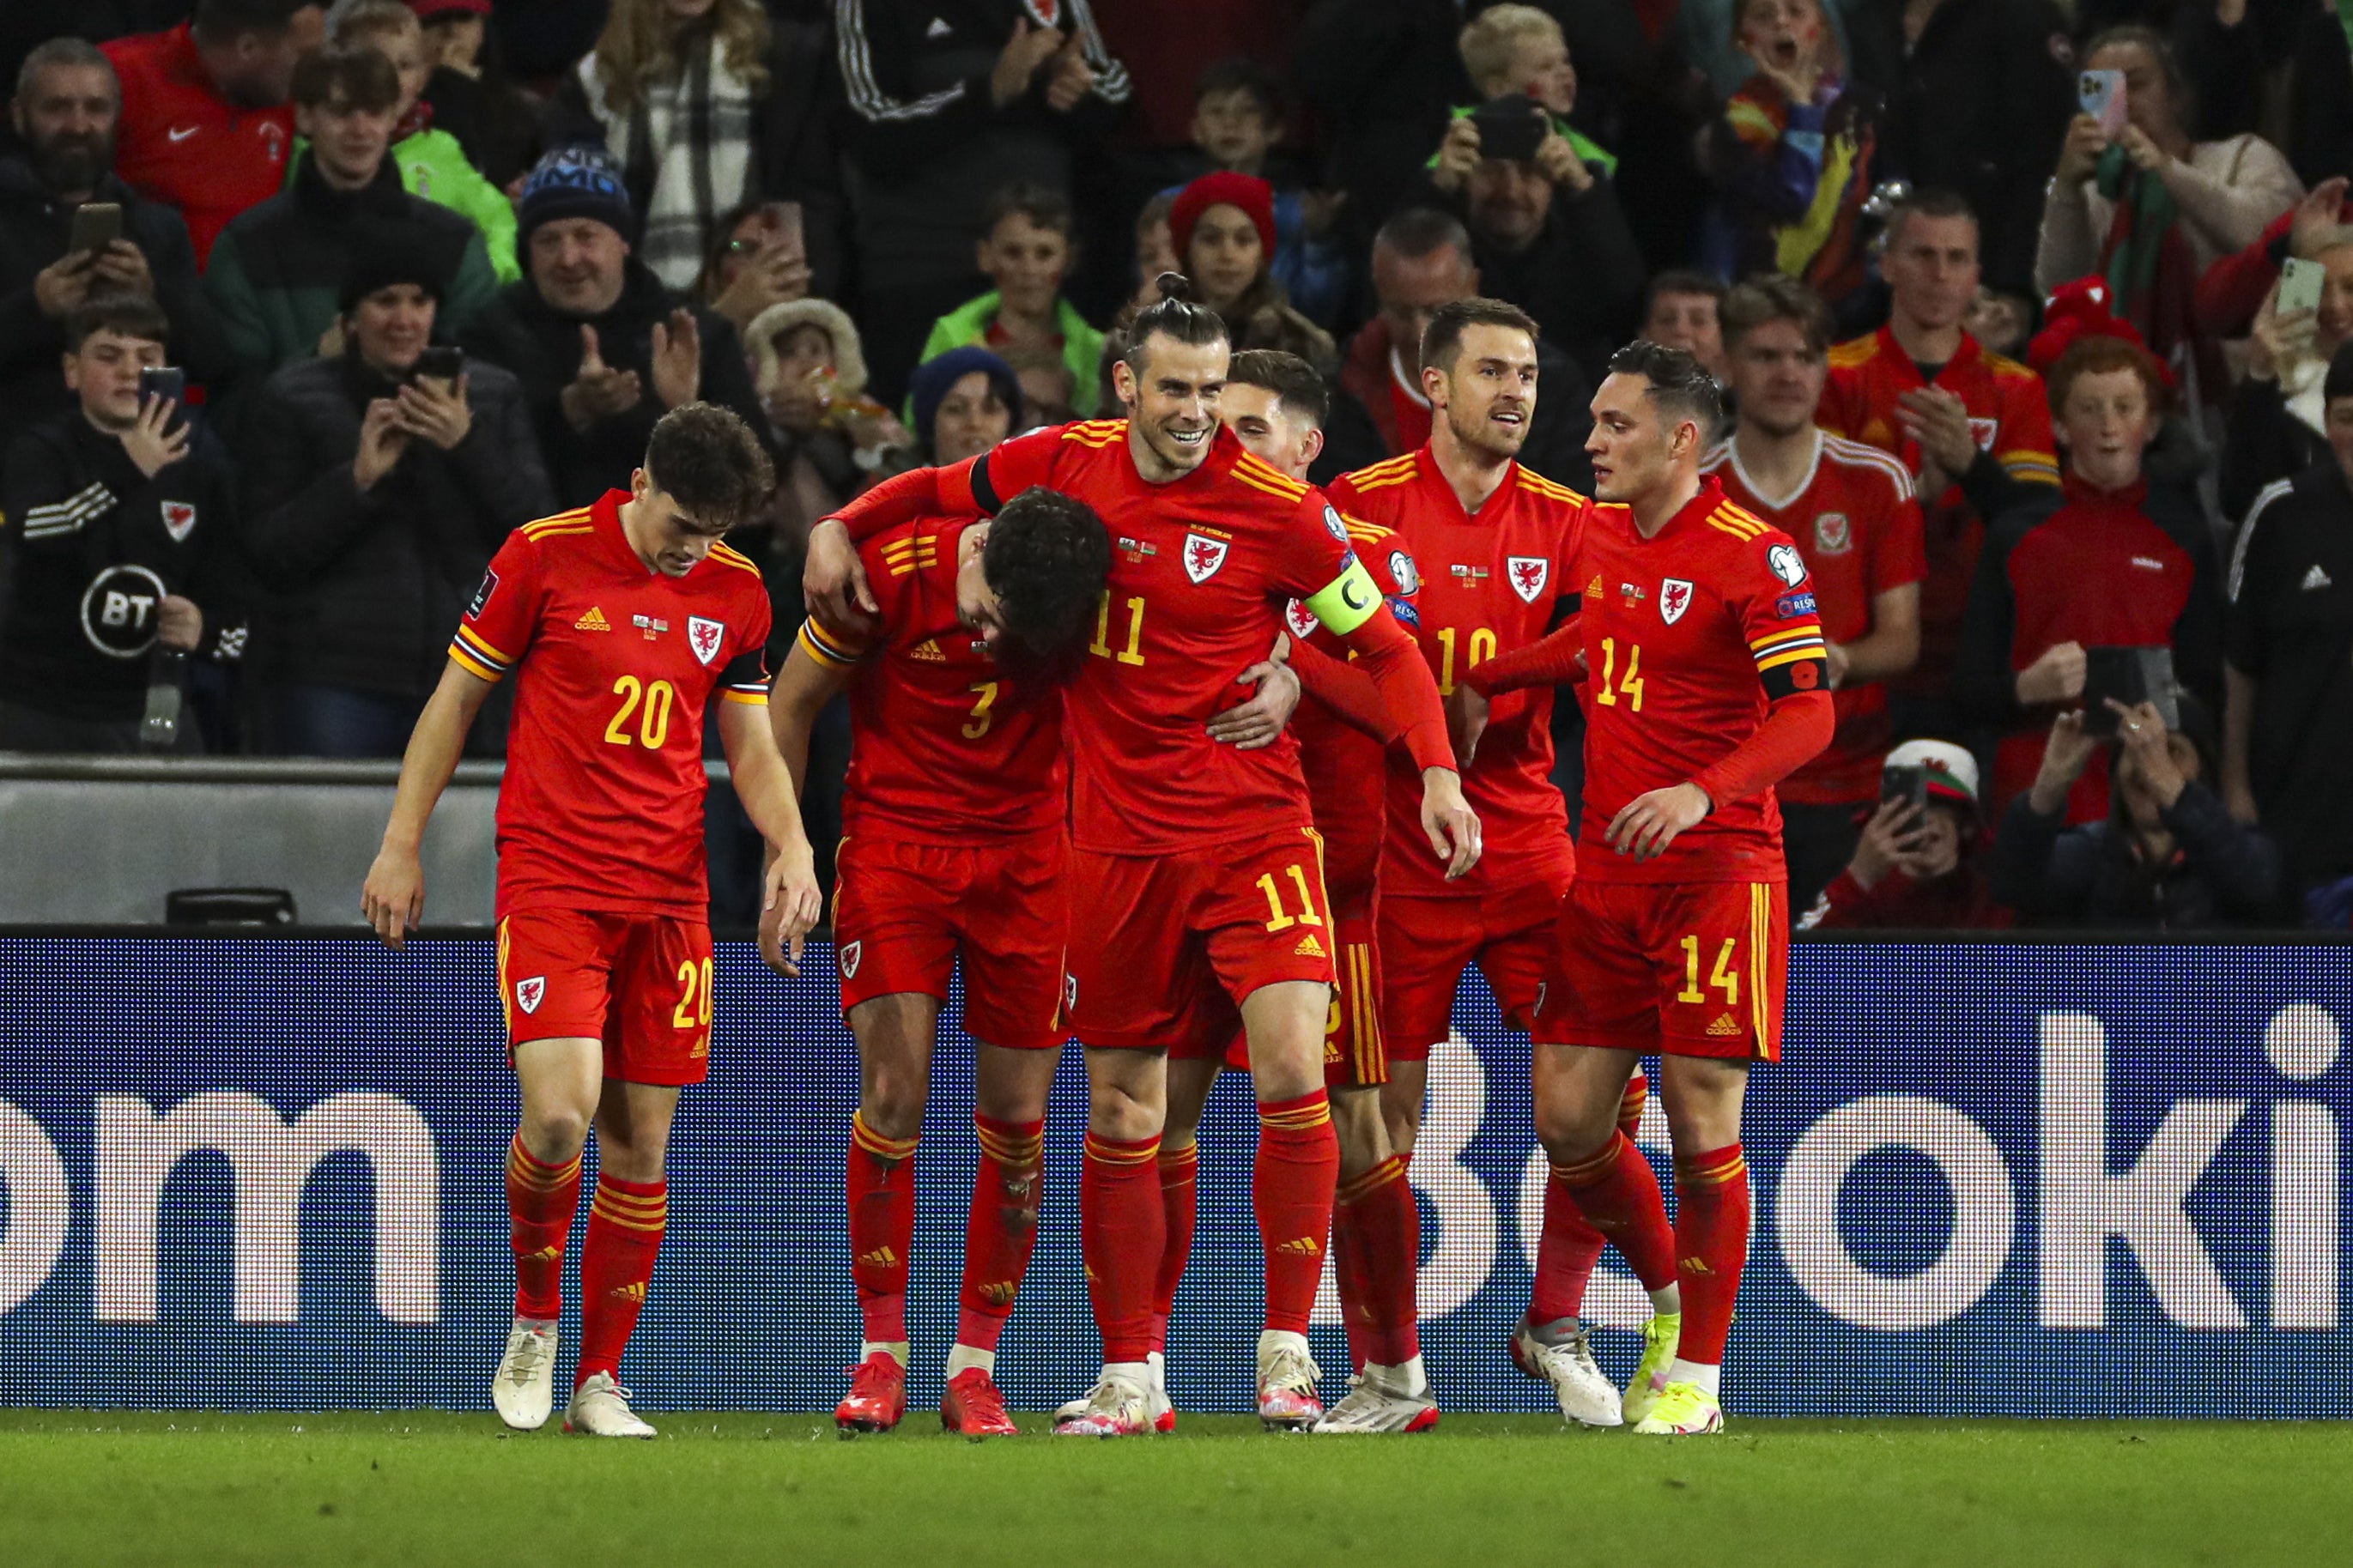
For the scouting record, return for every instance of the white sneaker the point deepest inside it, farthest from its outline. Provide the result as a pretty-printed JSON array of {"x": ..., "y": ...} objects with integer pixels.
[
  {"x": 1155, "y": 1398},
  {"x": 523, "y": 1392},
  {"x": 1113, "y": 1407},
  {"x": 1382, "y": 1399},
  {"x": 600, "y": 1408},
  {"x": 1586, "y": 1398},
  {"x": 1287, "y": 1376}
]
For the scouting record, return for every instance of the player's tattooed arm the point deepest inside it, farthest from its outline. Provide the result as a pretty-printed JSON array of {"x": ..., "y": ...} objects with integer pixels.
[{"x": 393, "y": 898}]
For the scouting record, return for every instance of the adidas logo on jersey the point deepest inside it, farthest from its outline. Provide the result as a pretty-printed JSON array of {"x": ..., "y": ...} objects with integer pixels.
[
  {"x": 1308, "y": 947},
  {"x": 1722, "y": 1025},
  {"x": 594, "y": 621},
  {"x": 928, "y": 651},
  {"x": 1301, "y": 1247},
  {"x": 881, "y": 1258},
  {"x": 634, "y": 1291},
  {"x": 1593, "y": 589},
  {"x": 2316, "y": 579}
]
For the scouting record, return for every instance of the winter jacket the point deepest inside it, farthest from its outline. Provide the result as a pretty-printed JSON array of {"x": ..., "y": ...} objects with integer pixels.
[
  {"x": 542, "y": 347},
  {"x": 76, "y": 505},
  {"x": 34, "y": 229},
  {"x": 364, "y": 588},
  {"x": 2094, "y": 877},
  {"x": 967, "y": 326},
  {"x": 434, "y": 168}
]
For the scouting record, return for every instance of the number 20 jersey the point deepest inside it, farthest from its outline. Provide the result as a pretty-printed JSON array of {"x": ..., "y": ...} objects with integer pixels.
[{"x": 602, "y": 805}]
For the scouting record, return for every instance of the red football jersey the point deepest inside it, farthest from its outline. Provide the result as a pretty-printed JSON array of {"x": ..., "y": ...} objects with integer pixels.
[
  {"x": 182, "y": 143},
  {"x": 947, "y": 746},
  {"x": 602, "y": 807},
  {"x": 2010, "y": 415},
  {"x": 1490, "y": 582},
  {"x": 1345, "y": 769},
  {"x": 1201, "y": 569},
  {"x": 1682, "y": 632},
  {"x": 1856, "y": 523}
]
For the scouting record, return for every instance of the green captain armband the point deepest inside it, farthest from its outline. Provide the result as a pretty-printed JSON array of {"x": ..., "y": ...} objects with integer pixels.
[{"x": 1347, "y": 601}]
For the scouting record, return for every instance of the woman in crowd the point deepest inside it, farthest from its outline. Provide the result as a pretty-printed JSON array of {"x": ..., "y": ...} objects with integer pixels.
[
  {"x": 758, "y": 259},
  {"x": 2278, "y": 422},
  {"x": 965, "y": 401}
]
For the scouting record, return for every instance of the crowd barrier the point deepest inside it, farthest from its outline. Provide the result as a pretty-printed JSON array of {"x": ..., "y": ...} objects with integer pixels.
[{"x": 1992, "y": 1178}]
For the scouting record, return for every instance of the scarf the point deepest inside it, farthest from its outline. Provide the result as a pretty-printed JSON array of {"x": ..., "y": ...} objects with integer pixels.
[
  {"x": 2152, "y": 274},
  {"x": 687, "y": 141}
]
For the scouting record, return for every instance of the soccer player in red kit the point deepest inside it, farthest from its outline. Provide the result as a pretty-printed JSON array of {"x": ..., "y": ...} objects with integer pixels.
[
  {"x": 620, "y": 622},
  {"x": 1196, "y": 893},
  {"x": 954, "y": 844},
  {"x": 1706, "y": 683},
  {"x": 1851, "y": 511}
]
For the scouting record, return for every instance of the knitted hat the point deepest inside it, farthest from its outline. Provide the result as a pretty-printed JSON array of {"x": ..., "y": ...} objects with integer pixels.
[
  {"x": 848, "y": 355},
  {"x": 382, "y": 256},
  {"x": 1952, "y": 771},
  {"x": 2340, "y": 375},
  {"x": 574, "y": 182},
  {"x": 928, "y": 387},
  {"x": 1226, "y": 188},
  {"x": 2084, "y": 308}
]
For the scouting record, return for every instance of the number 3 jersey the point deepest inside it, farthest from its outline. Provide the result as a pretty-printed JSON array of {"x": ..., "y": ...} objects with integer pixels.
[
  {"x": 1689, "y": 637},
  {"x": 602, "y": 806}
]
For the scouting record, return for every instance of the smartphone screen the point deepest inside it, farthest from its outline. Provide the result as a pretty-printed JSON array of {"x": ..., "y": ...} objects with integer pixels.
[
  {"x": 1909, "y": 785},
  {"x": 788, "y": 228},
  {"x": 2299, "y": 287},
  {"x": 441, "y": 362},
  {"x": 167, "y": 382},
  {"x": 96, "y": 226},
  {"x": 2102, "y": 96}
]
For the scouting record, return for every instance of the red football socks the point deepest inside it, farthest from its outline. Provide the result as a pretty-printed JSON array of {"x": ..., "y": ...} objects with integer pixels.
[
  {"x": 882, "y": 1186},
  {"x": 1377, "y": 1239},
  {"x": 1618, "y": 1192},
  {"x": 1711, "y": 1247},
  {"x": 1120, "y": 1234},
  {"x": 1180, "y": 1170},
  {"x": 1292, "y": 1184},
  {"x": 617, "y": 1264},
  {"x": 541, "y": 1200},
  {"x": 1569, "y": 1247},
  {"x": 1003, "y": 1230}
]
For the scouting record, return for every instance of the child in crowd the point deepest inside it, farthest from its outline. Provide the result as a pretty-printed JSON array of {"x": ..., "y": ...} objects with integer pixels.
[
  {"x": 1237, "y": 126},
  {"x": 1519, "y": 49},
  {"x": 1027, "y": 248}
]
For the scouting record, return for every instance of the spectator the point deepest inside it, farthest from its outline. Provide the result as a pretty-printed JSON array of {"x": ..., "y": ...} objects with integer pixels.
[
  {"x": 65, "y": 110},
  {"x": 756, "y": 260},
  {"x": 2166, "y": 855},
  {"x": 940, "y": 118},
  {"x": 2287, "y": 726},
  {"x": 374, "y": 498},
  {"x": 1684, "y": 310},
  {"x": 1155, "y": 252},
  {"x": 1168, "y": 48},
  {"x": 2278, "y": 421},
  {"x": 1915, "y": 867},
  {"x": 705, "y": 104},
  {"x": 1792, "y": 154},
  {"x": 1849, "y": 507},
  {"x": 1028, "y": 244},
  {"x": 2002, "y": 323},
  {"x": 471, "y": 95},
  {"x": 2106, "y": 561},
  {"x": 1979, "y": 95},
  {"x": 1236, "y": 128},
  {"x": 833, "y": 440},
  {"x": 431, "y": 163},
  {"x": 1384, "y": 76},
  {"x": 277, "y": 272},
  {"x": 1518, "y": 50},
  {"x": 119, "y": 483},
  {"x": 602, "y": 349},
  {"x": 1421, "y": 260},
  {"x": 1548, "y": 235},
  {"x": 1223, "y": 227},
  {"x": 965, "y": 401},
  {"x": 205, "y": 126},
  {"x": 1974, "y": 430}
]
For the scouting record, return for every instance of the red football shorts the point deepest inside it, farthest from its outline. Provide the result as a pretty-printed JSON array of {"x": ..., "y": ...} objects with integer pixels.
[
  {"x": 1354, "y": 1052},
  {"x": 901, "y": 913},
  {"x": 641, "y": 983},
  {"x": 1166, "y": 946},
  {"x": 1511, "y": 934},
  {"x": 1692, "y": 969}
]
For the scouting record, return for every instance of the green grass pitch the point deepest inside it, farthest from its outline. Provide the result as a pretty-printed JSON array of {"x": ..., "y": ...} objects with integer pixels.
[{"x": 147, "y": 1487}]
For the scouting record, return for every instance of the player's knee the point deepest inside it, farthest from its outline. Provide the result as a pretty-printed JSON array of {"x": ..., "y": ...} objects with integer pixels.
[
  {"x": 1571, "y": 1132},
  {"x": 893, "y": 1107},
  {"x": 1114, "y": 1113},
  {"x": 555, "y": 1134}
]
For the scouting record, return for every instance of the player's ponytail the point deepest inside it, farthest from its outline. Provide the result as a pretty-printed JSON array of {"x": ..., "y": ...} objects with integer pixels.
[{"x": 1177, "y": 315}]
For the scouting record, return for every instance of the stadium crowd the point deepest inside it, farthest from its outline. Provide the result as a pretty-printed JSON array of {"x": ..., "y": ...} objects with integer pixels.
[{"x": 303, "y": 310}]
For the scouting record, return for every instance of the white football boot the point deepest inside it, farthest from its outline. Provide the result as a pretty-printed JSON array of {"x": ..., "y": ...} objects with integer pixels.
[
  {"x": 1586, "y": 1398},
  {"x": 1384, "y": 1399},
  {"x": 1116, "y": 1407},
  {"x": 523, "y": 1392},
  {"x": 600, "y": 1408}
]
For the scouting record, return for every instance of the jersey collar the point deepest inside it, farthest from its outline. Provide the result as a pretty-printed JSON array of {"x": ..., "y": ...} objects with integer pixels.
[
  {"x": 1774, "y": 504},
  {"x": 604, "y": 511}
]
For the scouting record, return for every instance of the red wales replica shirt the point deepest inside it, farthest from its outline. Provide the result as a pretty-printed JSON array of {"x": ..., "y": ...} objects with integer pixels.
[
  {"x": 602, "y": 807},
  {"x": 1688, "y": 637},
  {"x": 180, "y": 143},
  {"x": 947, "y": 745},
  {"x": 1857, "y": 524},
  {"x": 1490, "y": 582}
]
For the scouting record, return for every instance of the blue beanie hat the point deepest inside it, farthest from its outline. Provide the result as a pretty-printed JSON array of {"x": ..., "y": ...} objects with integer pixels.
[
  {"x": 574, "y": 182},
  {"x": 929, "y": 385}
]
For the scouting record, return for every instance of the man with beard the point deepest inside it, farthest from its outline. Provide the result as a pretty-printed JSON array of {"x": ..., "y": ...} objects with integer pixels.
[{"x": 68, "y": 105}]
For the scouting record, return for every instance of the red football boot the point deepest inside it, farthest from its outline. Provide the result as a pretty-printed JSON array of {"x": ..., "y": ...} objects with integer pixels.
[
  {"x": 974, "y": 1407},
  {"x": 876, "y": 1397}
]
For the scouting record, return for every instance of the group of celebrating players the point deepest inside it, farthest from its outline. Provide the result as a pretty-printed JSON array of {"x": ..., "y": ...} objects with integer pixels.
[{"x": 1073, "y": 664}]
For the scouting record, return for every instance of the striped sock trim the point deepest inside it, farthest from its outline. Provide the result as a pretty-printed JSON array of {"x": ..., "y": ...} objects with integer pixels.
[
  {"x": 537, "y": 1175},
  {"x": 874, "y": 1144},
  {"x": 1016, "y": 1144},
  {"x": 1389, "y": 1170},
  {"x": 633, "y": 1206},
  {"x": 1630, "y": 1108},
  {"x": 1183, "y": 1160},
  {"x": 1594, "y": 1167},
  {"x": 1305, "y": 1114},
  {"x": 1113, "y": 1152},
  {"x": 1712, "y": 1167}
]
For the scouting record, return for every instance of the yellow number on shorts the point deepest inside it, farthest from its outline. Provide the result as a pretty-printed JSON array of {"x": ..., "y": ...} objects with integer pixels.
[
  {"x": 695, "y": 982},
  {"x": 1101, "y": 648},
  {"x": 1277, "y": 919},
  {"x": 1607, "y": 689},
  {"x": 1722, "y": 976},
  {"x": 653, "y": 723},
  {"x": 981, "y": 717}
]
